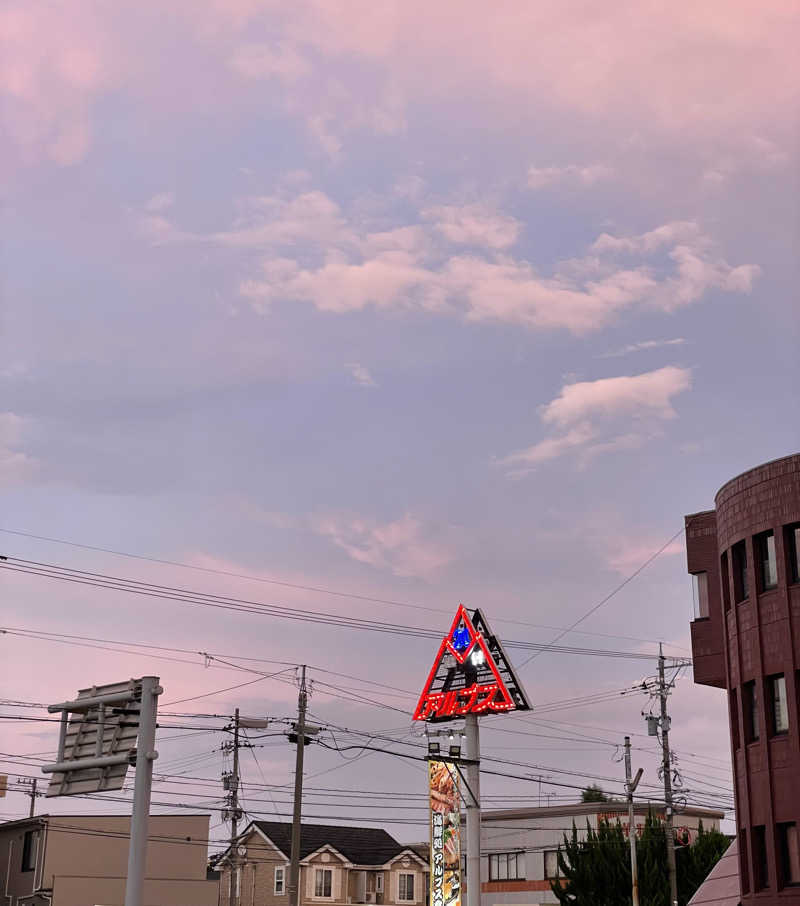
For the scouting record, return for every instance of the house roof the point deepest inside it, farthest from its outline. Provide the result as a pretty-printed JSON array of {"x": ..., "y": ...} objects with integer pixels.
[
  {"x": 360, "y": 845},
  {"x": 583, "y": 809},
  {"x": 721, "y": 887}
]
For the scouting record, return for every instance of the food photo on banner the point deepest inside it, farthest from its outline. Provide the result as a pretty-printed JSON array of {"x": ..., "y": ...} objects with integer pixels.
[{"x": 445, "y": 834}]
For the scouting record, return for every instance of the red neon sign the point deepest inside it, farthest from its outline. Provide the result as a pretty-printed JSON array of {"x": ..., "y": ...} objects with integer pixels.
[{"x": 469, "y": 656}]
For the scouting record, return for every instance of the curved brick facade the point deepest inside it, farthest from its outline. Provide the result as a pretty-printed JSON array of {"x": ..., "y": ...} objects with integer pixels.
[{"x": 747, "y": 639}]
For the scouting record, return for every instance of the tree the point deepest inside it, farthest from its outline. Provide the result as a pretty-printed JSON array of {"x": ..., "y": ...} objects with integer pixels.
[
  {"x": 596, "y": 870},
  {"x": 593, "y": 793},
  {"x": 593, "y": 870},
  {"x": 696, "y": 861}
]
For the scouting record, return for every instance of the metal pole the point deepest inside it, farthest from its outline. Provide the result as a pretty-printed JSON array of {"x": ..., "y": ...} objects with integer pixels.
[
  {"x": 300, "y": 729},
  {"x": 146, "y": 754},
  {"x": 33, "y": 798},
  {"x": 473, "y": 811},
  {"x": 233, "y": 889},
  {"x": 631, "y": 823},
  {"x": 668, "y": 824}
]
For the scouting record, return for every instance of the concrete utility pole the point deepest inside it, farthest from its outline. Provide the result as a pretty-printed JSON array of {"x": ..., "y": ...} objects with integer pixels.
[
  {"x": 146, "y": 754},
  {"x": 300, "y": 730},
  {"x": 32, "y": 794},
  {"x": 473, "y": 773},
  {"x": 233, "y": 799},
  {"x": 663, "y": 691},
  {"x": 630, "y": 787}
]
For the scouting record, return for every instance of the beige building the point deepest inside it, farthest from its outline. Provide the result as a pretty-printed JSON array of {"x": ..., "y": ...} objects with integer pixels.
[
  {"x": 519, "y": 847},
  {"x": 82, "y": 860},
  {"x": 338, "y": 865}
]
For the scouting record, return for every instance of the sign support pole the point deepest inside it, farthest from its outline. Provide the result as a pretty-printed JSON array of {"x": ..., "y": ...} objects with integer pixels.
[
  {"x": 143, "y": 782},
  {"x": 473, "y": 811}
]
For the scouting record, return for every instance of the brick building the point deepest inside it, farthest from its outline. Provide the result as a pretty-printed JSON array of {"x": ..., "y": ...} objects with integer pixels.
[
  {"x": 744, "y": 557},
  {"x": 338, "y": 865}
]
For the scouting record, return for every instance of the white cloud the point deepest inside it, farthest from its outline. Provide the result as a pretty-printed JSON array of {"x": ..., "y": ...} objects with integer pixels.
[
  {"x": 642, "y": 345},
  {"x": 474, "y": 224},
  {"x": 361, "y": 374},
  {"x": 572, "y": 174},
  {"x": 404, "y": 547},
  {"x": 603, "y": 416}
]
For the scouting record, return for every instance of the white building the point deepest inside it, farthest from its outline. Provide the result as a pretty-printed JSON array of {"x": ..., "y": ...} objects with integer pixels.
[{"x": 519, "y": 846}]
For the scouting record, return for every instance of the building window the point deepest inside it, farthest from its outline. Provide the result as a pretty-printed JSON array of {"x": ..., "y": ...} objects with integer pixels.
[
  {"x": 30, "y": 844},
  {"x": 792, "y": 533},
  {"x": 322, "y": 882},
  {"x": 760, "y": 864},
  {"x": 507, "y": 867},
  {"x": 744, "y": 863},
  {"x": 379, "y": 882},
  {"x": 280, "y": 880},
  {"x": 551, "y": 871},
  {"x": 734, "y": 719},
  {"x": 764, "y": 545},
  {"x": 750, "y": 710},
  {"x": 700, "y": 595},
  {"x": 790, "y": 853},
  {"x": 726, "y": 581},
  {"x": 739, "y": 558},
  {"x": 405, "y": 887},
  {"x": 779, "y": 712}
]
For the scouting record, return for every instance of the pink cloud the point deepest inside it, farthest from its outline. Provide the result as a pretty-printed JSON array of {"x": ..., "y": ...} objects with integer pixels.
[
  {"x": 405, "y": 546},
  {"x": 631, "y": 395},
  {"x": 589, "y": 418},
  {"x": 615, "y": 62}
]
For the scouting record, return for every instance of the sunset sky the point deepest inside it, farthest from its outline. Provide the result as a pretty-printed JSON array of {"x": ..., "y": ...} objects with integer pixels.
[{"x": 420, "y": 302}]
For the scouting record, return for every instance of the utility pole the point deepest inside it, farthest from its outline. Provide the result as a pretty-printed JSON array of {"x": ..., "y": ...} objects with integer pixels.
[
  {"x": 473, "y": 810},
  {"x": 630, "y": 787},
  {"x": 233, "y": 805},
  {"x": 32, "y": 794},
  {"x": 300, "y": 730},
  {"x": 663, "y": 691}
]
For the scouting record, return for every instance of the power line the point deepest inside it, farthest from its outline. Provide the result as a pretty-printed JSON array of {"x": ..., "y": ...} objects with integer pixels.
[{"x": 312, "y": 588}]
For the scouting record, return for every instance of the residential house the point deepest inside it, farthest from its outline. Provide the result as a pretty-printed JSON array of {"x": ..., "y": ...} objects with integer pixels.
[
  {"x": 82, "y": 860},
  {"x": 338, "y": 865}
]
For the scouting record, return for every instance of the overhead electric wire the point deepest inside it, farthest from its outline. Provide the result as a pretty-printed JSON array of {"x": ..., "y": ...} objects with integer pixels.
[
  {"x": 296, "y": 586},
  {"x": 275, "y": 610}
]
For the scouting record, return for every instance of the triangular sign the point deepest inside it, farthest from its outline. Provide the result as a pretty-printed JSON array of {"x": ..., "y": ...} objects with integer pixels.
[{"x": 470, "y": 675}]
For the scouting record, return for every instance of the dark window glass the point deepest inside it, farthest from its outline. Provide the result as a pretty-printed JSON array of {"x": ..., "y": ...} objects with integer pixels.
[
  {"x": 726, "y": 582},
  {"x": 734, "y": 705},
  {"x": 789, "y": 843},
  {"x": 750, "y": 711},
  {"x": 793, "y": 551},
  {"x": 739, "y": 558},
  {"x": 29, "y": 847},
  {"x": 779, "y": 713},
  {"x": 744, "y": 862},
  {"x": 406, "y": 888},
  {"x": 760, "y": 866},
  {"x": 764, "y": 545}
]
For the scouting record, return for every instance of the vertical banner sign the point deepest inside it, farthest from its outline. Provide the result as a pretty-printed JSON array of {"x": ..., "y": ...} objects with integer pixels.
[{"x": 445, "y": 834}]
